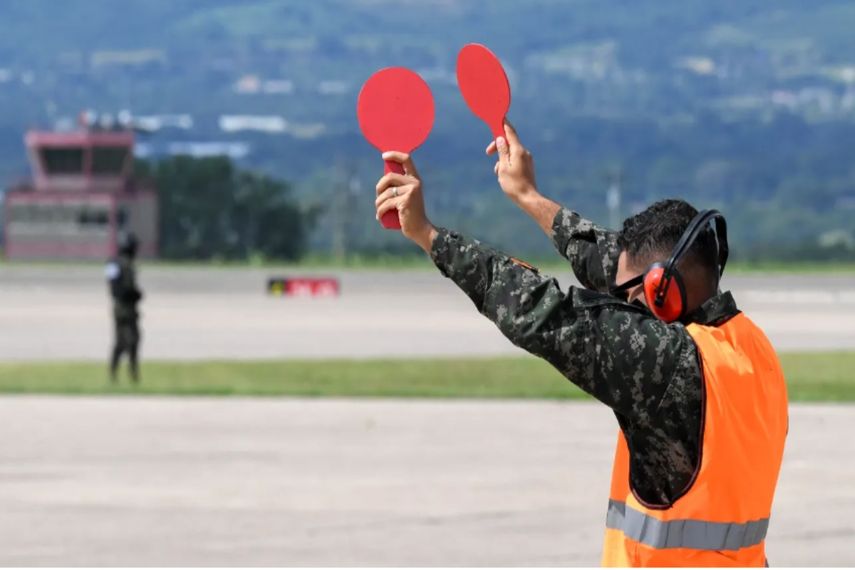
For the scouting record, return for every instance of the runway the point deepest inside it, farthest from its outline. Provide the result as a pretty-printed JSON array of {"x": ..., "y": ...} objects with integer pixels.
[
  {"x": 58, "y": 313},
  {"x": 240, "y": 481},
  {"x": 290, "y": 482}
]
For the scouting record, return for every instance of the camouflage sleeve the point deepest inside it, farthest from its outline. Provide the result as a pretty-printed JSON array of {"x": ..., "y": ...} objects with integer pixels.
[
  {"x": 591, "y": 249},
  {"x": 614, "y": 351}
]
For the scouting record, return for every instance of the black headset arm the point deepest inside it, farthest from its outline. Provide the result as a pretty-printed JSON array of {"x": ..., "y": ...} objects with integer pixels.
[{"x": 697, "y": 225}]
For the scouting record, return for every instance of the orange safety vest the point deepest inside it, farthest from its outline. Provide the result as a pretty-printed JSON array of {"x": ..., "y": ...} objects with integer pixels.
[{"x": 722, "y": 519}]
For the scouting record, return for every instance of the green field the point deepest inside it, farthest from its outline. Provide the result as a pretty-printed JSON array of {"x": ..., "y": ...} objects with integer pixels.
[{"x": 823, "y": 376}]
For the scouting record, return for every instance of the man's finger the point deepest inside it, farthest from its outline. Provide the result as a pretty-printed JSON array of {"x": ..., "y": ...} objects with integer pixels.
[
  {"x": 390, "y": 204},
  {"x": 403, "y": 159},
  {"x": 392, "y": 179},
  {"x": 504, "y": 151},
  {"x": 392, "y": 193},
  {"x": 491, "y": 148},
  {"x": 511, "y": 133}
]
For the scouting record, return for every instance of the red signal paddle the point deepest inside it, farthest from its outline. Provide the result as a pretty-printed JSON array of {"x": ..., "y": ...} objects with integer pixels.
[
  {"x": 484, "y": 85},
  {"x": 395, "y": 111}
]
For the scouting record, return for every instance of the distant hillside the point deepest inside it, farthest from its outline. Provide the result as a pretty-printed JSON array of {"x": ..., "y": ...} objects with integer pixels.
[{"x": 744, "y": 104}]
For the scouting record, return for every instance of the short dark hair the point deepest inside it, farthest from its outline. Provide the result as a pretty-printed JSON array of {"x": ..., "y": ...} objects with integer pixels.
[{"x": 651, "y": 235}]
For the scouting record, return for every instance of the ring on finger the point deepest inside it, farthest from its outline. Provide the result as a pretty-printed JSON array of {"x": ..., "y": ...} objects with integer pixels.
[{"x": 394, "y": 191}]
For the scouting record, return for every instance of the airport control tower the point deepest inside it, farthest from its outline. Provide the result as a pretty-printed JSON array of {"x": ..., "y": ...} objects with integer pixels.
[{"x": 81, "y": 196}]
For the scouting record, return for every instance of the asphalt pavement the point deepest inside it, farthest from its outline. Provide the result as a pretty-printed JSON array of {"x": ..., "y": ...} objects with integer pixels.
[
  {"x": 121, "y": 481},
  {"x": 60, "y": 313}
]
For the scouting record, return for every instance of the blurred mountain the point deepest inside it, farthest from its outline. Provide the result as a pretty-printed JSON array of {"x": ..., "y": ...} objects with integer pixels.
[{"x": 748, "y": 105}]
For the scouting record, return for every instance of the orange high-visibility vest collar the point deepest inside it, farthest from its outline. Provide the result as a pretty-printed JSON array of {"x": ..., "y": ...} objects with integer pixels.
[{"x": 722, "y": 519}]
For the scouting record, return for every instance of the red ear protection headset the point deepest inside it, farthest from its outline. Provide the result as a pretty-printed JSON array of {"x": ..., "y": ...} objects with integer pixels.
[{"x": 663, "y": 285}]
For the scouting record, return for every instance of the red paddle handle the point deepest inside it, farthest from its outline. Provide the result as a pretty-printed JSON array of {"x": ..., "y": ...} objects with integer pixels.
[{"x": 390, "y": 219}]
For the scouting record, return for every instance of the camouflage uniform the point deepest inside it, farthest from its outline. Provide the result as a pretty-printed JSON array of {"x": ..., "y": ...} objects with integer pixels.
[
  {"x": 648, "y": 372},
  {"x": 123, "y": 289}
]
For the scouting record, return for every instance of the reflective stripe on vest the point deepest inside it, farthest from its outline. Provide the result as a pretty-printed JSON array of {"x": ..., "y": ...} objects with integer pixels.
[{"x": 684, "y": 533}]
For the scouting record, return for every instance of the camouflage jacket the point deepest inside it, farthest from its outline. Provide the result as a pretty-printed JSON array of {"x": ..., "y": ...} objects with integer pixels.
[
  {"x": 648, "y": 372},
  {"x": 121, "y": 279}
]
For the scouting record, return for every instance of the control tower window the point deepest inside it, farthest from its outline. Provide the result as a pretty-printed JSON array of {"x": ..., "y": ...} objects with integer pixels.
[
  {"x": 108, "y": 159},
  {"x": 93, "y": 217},
  {"x": 21, "y": 213},
  {"x": 63, "y": 160}
]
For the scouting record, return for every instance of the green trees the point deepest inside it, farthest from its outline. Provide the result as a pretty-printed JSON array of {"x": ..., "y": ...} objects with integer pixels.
[{"x": 211, "y": 210}]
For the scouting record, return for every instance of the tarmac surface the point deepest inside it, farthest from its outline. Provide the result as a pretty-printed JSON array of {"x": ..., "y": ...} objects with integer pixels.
[
  {"x": 237, "y": 481},
  {"x": 60, "y": 313}
]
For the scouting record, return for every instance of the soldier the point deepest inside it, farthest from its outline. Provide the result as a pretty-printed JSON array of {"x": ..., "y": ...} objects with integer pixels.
[
  {"x": 696, "y": 388},
  {"x": 121, "y": 278}
]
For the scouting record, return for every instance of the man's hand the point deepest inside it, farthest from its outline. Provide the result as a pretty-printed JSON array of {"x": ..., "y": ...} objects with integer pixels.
[
  {"x": 403, "y": 192},
  {"x": 515, "y": 171},
  {"x": 514, "y": 166}
]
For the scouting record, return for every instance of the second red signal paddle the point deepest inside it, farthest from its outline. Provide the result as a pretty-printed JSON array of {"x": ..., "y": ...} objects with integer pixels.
[
  {"x": 484, "y": 85},
  {"x": 395, "y": 111}
]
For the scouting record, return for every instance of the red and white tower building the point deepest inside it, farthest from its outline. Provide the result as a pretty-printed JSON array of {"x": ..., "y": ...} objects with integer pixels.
[{"x": 81, "y": 196}]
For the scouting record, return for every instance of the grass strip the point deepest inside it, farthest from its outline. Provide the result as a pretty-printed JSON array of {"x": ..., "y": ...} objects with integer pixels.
[{"x": 811, "y": 376}]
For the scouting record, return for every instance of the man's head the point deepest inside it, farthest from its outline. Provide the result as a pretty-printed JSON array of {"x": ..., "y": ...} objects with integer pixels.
[
  {"x": 128, "y": 244},
  {"x": 650, "y": 236}
]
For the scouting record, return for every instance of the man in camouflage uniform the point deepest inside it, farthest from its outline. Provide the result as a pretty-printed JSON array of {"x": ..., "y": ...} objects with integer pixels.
[
  {"x": 648, "y": 372},
  {"x": 121, "y": 278}
]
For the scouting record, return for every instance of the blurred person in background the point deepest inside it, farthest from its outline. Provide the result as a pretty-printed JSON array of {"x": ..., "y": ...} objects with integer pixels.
[
  {"x": 126, "y": 295},
  {"x": 696, "y": 387}
]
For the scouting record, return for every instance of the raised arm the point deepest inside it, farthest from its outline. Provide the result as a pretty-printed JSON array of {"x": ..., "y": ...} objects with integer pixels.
[
  {"x": 591, "y": 249},
  {"x": 616, "y": 352}
]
